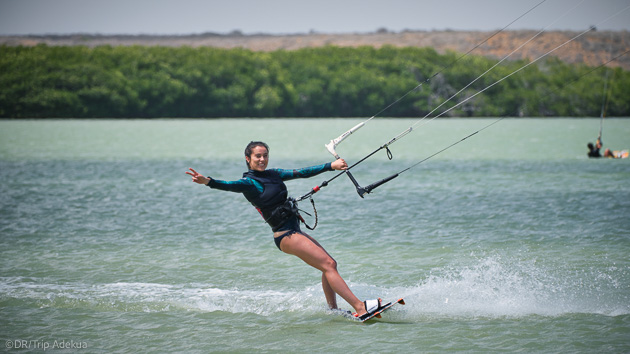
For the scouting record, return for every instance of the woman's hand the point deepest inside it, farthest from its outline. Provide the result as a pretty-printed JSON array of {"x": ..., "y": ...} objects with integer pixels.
[
  {"x": 339, "y": 164},
  {"x": 198, "y": 178}
]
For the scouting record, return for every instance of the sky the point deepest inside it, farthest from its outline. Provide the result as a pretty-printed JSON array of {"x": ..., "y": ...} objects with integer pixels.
[{"x": 180, "y": 17}]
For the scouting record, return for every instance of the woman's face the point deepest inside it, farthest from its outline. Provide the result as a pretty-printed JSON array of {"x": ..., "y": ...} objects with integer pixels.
[{"x": 259, "y": 158}]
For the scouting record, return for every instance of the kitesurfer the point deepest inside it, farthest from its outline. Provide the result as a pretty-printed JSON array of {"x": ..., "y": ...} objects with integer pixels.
[
  {"x": 265, "y": 189},
  {"x": 593, "y": 151}
]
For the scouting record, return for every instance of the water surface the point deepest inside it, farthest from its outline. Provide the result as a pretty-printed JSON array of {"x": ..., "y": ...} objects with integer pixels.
[{"x": 511, "y": 240}]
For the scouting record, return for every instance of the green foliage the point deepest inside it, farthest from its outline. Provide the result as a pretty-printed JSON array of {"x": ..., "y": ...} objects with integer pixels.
[{"x": 147, "y": 82}]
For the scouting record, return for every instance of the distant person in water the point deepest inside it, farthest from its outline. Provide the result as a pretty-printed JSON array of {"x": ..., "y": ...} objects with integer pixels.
[
  {"x": 593, "y": 151},
  {"x": 265, "y": 189}
]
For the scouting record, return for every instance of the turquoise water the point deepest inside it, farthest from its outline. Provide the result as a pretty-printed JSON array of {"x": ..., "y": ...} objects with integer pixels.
[{"x": 510, "y": 241}]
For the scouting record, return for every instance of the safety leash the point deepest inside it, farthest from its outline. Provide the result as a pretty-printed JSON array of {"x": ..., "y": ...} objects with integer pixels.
[{"x": 302, "y": 219}]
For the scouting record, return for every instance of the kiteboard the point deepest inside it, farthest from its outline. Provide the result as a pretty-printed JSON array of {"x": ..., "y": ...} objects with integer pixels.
[
  {"x": 375, "y": 314},
  {"x": 622, "y": 154},
  {"x": 380, "y": 310}
]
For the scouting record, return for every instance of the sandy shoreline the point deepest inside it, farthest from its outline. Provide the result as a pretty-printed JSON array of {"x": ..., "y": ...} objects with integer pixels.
[{"x": 592, "y": 48}]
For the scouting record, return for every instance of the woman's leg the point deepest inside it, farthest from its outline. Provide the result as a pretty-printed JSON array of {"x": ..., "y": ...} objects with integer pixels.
[
  {"x": 311, "y": 252},
  {"x": 331, "y": 296}
]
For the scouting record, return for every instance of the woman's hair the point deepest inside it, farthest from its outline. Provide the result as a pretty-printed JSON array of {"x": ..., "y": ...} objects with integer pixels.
[{"x": 251, "y": 146}]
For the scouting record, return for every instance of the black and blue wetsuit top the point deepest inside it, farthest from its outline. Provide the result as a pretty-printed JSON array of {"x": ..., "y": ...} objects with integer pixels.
[{"x": 267, "y": 192}]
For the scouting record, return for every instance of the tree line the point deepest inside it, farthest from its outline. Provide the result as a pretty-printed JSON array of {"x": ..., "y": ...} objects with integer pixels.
[{"x": 151, "y": 82}]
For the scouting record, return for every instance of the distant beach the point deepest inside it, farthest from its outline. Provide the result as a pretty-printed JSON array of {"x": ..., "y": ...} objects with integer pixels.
[{"x": 592, "y": 49}]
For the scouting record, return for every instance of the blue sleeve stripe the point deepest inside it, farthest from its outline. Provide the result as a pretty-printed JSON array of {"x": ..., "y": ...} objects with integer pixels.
[
  {"x": 239, "y": 186},
  {"x": 303, "y": 172}
]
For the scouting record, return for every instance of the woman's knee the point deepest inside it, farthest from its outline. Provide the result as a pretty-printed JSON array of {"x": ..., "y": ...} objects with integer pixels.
[{"x": 330, "y": 264}]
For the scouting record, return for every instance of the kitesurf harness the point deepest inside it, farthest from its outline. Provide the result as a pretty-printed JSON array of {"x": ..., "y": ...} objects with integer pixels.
[{"x": 286, "y": 211}]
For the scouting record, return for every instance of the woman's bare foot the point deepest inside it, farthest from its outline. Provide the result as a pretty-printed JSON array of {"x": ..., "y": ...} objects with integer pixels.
[{"x": 362, "y": 310}]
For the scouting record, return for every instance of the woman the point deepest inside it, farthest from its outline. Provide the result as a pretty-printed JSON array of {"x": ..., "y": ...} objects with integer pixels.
[{"x": 266, "y": 190}]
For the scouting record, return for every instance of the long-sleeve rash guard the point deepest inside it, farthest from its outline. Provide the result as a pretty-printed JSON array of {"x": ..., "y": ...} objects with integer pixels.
[{"x": 266, "y": 190}]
